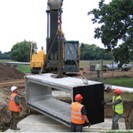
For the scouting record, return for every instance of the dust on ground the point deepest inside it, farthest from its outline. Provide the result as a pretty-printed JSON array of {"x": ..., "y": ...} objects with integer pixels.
[{"x": 10, "y": 76}]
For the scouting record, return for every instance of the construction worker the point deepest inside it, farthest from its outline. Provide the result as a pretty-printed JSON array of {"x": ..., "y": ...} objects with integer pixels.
[
  {"x": 98, "y": 69},
  {"x": 117, "y": 104},
  {"x": 14, "y": 108},
  {"x": 78, "y": 114},
  {"x": 41, "y": 51}
]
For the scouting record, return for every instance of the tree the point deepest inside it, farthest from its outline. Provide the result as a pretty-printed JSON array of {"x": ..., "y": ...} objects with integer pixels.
[
  {"x": 5, "y": 55},
  {"x": 21, "y": 51},
  {"x": 93, "y": 52},
  {"x": 115, "y": 27}
]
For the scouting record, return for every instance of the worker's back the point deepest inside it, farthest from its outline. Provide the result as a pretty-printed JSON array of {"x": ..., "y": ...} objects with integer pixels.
[{"x": 98, "y": 67}]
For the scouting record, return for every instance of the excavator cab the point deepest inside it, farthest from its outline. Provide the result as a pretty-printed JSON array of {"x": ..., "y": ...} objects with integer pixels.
[{"x": 71, "y": 57}]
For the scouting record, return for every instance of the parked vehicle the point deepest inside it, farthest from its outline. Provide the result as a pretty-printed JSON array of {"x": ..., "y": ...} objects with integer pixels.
[
  {"x": 115, "y": 66},
  {"x": 127, "y": 67}
]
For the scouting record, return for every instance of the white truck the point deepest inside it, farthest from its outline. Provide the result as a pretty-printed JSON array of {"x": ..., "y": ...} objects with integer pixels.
[{"x": 115, "y": 66}]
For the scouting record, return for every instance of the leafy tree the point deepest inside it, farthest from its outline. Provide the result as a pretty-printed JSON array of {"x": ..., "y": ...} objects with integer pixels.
[
  {"x": 115, "y": 27},
  {"x": 93, "y": 52},
  {"x": 21, "y": 51},
  {"x": 5, "y": 55}
]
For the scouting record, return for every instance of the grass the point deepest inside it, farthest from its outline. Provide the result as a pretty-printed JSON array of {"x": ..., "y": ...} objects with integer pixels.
[
  {"x": 125, "y": 82},
  {"x": 125, "y": 95},
  {"x": 4, "y": 60},
  {"x": 21, "y": 68},
  {"x": 24, "y": 68}
]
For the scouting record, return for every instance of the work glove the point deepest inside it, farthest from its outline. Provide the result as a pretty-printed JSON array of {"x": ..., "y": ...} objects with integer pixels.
[
  {"x": 104, "y": 103},
  {"x": 20, "y": 108}
]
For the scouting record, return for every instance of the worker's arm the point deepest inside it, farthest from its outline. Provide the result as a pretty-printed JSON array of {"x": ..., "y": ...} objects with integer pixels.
[
  {"x": 84, "y": 113},
  {"x": 17, "y": 100},
  {"x": 106, "y": 102},
  {"x": 114, "y": 103},
  {"x": 85, "y": 118}
]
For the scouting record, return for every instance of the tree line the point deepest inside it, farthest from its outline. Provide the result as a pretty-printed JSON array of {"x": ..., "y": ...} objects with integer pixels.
[
  {"x": 21, "y": 52},
  {"x": 5, "y": 55},
  {"x": 115, "y": 29},
  {"x": 93, "y": 52}
]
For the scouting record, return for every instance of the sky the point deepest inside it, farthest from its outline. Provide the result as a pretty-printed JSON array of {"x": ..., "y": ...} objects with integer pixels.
[{"x": 27, "y": 20}]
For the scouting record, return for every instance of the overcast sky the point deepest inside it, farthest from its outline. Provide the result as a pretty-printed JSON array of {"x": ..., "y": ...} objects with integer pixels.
[{"x": 27, "y": 20}]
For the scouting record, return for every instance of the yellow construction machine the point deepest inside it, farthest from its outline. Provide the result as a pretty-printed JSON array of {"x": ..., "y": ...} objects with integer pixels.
[{"x": 37, "y": 61}]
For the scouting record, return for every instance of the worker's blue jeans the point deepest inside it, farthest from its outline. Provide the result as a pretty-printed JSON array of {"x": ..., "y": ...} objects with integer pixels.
[
  {"x": 76, "y": 127},
  {"x": 98, "y": 73},
  {"x": 115, "y": 119}
]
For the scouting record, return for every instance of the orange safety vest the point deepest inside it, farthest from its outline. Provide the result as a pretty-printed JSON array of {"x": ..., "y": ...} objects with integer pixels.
[
  {"x": 76, "y": 115},
  {"x": 12, "y": 105}
]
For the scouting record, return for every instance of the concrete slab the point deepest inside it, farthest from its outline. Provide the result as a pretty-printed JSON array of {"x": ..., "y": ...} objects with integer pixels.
[{"x": 42, "y": 123}]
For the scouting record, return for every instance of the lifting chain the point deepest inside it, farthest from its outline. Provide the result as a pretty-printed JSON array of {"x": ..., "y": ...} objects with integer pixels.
[
  {"x": 60, "y": 53},
  {"x": 60, "y": 37}
]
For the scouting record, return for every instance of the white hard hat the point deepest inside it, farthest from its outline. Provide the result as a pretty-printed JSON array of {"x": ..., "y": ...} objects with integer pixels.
[{"x": 13, "y": 88}]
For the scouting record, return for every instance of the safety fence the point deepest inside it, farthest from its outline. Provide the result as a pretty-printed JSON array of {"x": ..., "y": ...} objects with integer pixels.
[{"x": 109, "y": 69}]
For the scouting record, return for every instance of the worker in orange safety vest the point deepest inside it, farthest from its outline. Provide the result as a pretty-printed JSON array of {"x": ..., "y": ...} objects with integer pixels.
[
  {"x": 14, "y": 108},
  {"x": 78, "y": 114}
]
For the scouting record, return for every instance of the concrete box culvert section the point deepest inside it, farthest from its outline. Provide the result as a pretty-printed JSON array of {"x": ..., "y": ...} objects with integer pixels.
[{"x": 40, "y": 98}]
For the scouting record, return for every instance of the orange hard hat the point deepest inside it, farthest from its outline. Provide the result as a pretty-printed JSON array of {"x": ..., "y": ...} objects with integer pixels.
[
  {"x": 117, "y": 91},
  {"x": 78, "y": 97}
]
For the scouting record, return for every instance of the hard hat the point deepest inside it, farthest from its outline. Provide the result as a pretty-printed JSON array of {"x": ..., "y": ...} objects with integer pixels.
[
  {"x": 13, "y": 88},
  {"x": 117, "y": 91},
  {"x": 78, "y": 97}
]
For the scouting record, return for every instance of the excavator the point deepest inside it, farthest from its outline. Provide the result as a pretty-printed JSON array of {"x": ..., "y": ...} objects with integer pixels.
[{"x": 62, "y": 55}]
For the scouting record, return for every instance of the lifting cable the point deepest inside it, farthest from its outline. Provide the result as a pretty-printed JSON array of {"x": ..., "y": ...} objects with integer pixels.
[
  {"x": 83, "y": 77},
  {"x": 41, "y": 71},
  {"x": 57, "y": 32},
  {"x": 51, "y": 47}
]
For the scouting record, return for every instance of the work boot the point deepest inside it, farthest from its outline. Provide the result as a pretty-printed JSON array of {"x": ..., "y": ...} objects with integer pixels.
[
  {"x": 113, "y": 126},
  {"x": 116, "y": 126},
  {"x": 14, "y": 128}
]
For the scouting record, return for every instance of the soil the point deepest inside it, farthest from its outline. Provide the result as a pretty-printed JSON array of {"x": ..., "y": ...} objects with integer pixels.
[
  {"x": 9, "y": 73},
  {"x": 10, "y": 76}
]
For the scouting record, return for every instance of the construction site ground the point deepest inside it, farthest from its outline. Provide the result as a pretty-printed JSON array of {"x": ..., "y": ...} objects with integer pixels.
[
  {"x": 42, "y": 123},
  {"x": 10, "y": 76}
]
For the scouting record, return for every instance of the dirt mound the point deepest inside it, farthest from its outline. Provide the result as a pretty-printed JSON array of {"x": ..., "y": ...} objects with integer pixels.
[
  {"x": 7, "y": 73},
  {"x": 8, "y": 76}
]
